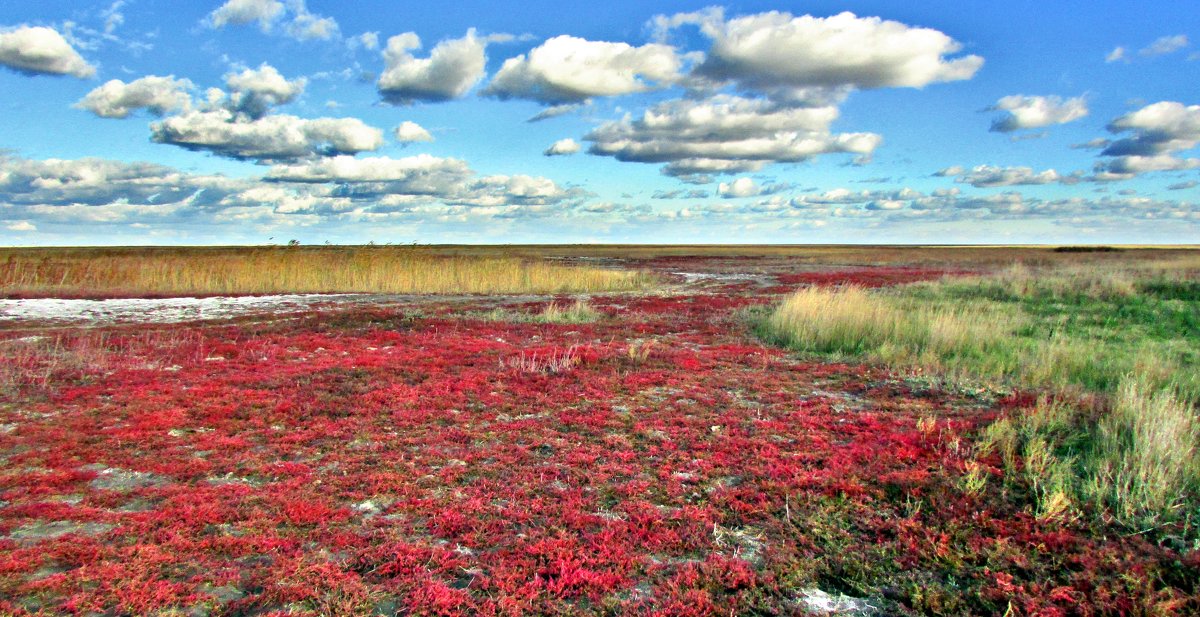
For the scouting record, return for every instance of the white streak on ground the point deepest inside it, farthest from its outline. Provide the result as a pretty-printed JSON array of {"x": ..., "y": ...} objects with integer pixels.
[{"x": 158, "y": 310}]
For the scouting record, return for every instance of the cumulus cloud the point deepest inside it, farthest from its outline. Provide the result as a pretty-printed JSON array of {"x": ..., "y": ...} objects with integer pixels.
[
  {"x": 680, "y": 194},
  {"x": 781, "y": 53},
  {"x": 397, "y": 181},
  {"x": 297, "y": 21},
  {"x": 790, "y": 74},
  {"x": 269, "y": 138},
  {"x": 725, "y": 134},
  {"x": 1031, "y": 112},
  {"x": 452, "y": 68},
  {"x": 409, "y": 131},
  {"x": 95, "y": 182},
  {"x": 562, "y": 147},
  {"x": 567, "y": 69},
  {"x": 324, "y": 190},
  {"x": 742, "y": 187},
  {"x": 37, "y": 50},
  {"x": 1182, "y": 186},
  {"x": 158, "y": 95},
  {"x": 987, "y": 176},
  {"x": 242, "y": 12},
  {"x": 306, "y": 26},
  {"x": 21, "y": 226},
  {"x": 347, "y": 169},
  {"x": 255, "y": 91},
  {"x": 1157, "y": 134}
]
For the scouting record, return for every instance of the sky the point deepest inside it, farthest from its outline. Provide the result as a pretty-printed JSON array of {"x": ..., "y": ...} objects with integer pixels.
[{"x": 135, "y": 122}]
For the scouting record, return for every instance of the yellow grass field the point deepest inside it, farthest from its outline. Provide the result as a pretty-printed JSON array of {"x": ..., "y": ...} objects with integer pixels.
[{"x": 268, "y": 270}]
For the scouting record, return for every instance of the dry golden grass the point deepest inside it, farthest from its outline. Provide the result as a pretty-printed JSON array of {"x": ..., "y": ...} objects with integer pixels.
[
  {"x": 851, "y": 320},
  {"x": 293, "y": 270}
]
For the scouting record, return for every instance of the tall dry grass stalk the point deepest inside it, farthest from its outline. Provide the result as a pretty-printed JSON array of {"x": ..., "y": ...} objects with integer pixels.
[{"x": 295, "y": 270}]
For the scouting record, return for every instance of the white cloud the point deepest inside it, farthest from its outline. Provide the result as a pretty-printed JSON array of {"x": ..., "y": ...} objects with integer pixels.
[
  {"x": 1160, "y": 47},
  {"x": 302, "y": 26},
  {"x": 369, "y": 169},
  {"x": 113, "y": 17},
  {"x": 408, "y": 132},
  {"x": 452, "y": 68},
  {"x": 158, "y": 95},
  {"x": 242, "y": 12},
  {"x": 554, "y": 111},
  {"x": 567, "y": 69},
  {"x": 1164, "y": 45},
  {"x": 21, "y": 226},
  {"x": 742, "y": 187},
  {"x": 36, "y": 50},
  {"x": 1159, "y": 132},
  {"x": 987, "y": 176},
  {"x": 725, "y": 134},
  {"x": 1031, "y": 112},
  {"x": 306, "y": 26},
  {"x": 255, "y": 91},
  {"x": 778, "y": 52},
  {"x": 270, "y": 138},
  {"x": 91, "y": 182},
  {"x": 421, "y": 177},
  {"x": 562, "y": 147},
  {"x": 366, "y": 40},
  {"x": 325, "y": 190},
  {"x": 1130, "y": 166}
]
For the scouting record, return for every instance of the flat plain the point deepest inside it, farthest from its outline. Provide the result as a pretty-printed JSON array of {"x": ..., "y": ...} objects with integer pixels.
[{"x": 653, "y": 430}]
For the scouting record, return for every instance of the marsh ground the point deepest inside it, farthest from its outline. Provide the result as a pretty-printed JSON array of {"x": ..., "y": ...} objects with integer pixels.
[{"x": 424, "y": 455}]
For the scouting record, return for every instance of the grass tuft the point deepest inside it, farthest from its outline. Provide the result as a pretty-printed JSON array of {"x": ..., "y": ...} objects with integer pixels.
[
  {"x": 580, "y": 312},
  {"x": 1139, "y": 462},
  {"x": 1145, "y": 461},
  {"x": 853, "y": 321}
]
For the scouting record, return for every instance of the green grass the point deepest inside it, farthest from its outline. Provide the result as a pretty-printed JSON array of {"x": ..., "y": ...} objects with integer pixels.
[
  {"x": 1138, "y": 462},
  {"x": 1080, "y": 331},
  {"x": 1118, "y": 348}
]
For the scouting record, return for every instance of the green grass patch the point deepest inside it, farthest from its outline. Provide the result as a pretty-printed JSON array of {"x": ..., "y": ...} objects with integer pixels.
[{"x": 1126, "y": 339}]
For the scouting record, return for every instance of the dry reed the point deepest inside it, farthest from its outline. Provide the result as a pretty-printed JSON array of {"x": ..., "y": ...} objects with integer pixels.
[{"x": 294, "y": 270}]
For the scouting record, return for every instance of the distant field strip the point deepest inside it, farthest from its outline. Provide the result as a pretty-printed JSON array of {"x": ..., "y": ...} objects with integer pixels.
[{"x": 110, "y": 272}]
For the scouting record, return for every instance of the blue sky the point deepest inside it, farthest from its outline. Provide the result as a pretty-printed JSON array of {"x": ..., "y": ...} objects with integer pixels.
[{"x": 259, "y": 121}]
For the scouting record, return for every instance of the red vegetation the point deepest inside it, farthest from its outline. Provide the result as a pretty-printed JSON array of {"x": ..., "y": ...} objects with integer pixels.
[
  {"x": 376, "y": 460},
  {"x": 867, "y": 277}
]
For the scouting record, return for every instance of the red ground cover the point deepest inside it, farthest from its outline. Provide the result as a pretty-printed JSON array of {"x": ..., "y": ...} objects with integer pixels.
[
  {"x": 373, "y": 461},
  {"x": 867, "y": 276}
]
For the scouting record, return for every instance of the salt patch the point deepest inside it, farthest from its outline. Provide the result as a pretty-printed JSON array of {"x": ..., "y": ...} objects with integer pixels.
[{"x": 157, "y": 310}]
